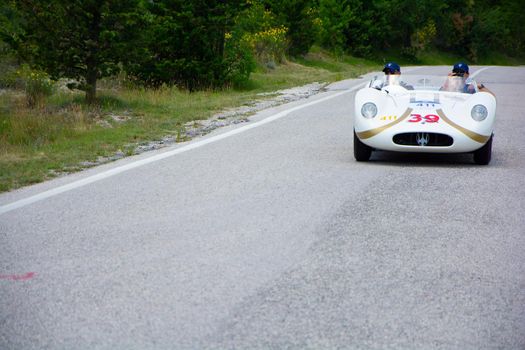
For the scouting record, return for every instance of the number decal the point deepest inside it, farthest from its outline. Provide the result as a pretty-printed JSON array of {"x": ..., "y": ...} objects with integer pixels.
[
  {"x": 429, "y": 118},
  {"x": 416, "y": 118},
  {"x": 388, "y": 117}
]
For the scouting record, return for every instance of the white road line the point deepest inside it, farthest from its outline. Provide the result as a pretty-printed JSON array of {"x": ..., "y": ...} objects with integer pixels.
[{"x": 104, "y": 175}]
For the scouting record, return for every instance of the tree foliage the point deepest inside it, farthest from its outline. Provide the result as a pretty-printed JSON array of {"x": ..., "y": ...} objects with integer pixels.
[
  {"x": 81, "y": 39},
  {"x": 299, "y": 17},
  {"x": 465, "y": 27},
  {"x": 185, "y": 41},
  {"x": 200, "y": 44}
]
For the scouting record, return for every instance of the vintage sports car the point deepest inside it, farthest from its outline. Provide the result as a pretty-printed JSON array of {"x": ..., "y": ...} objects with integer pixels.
[{"x": 427, "y": 114}]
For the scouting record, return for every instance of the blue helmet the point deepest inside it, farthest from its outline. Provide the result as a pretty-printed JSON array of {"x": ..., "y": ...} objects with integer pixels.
[
  {"x": 391, "y": 68},
  {"x": 460, "y": 68}
]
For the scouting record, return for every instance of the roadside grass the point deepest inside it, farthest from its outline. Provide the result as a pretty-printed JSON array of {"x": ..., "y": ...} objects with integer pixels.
[{"x": 63, "y": 134}]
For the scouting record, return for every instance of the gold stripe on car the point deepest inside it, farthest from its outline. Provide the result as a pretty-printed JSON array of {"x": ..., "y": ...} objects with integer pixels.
[
  {"x": 473, "y": 135},
  {"x": 373, "y": 132}
]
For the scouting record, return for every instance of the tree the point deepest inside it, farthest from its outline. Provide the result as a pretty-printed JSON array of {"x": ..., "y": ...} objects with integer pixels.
[
  {"x": 185, "y": 41},
  {"x": 497, "y": 27},
  {"x": 335, "y": 17},
  {"x": 7, "y": 59},
  {"x": 298, "y": 16},
  {"x": 361, "y": 32},
  {"x": 80, "y": 39}
]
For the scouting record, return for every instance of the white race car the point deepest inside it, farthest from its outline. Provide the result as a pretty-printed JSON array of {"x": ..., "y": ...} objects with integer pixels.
[{"x": 425, "y": 114}]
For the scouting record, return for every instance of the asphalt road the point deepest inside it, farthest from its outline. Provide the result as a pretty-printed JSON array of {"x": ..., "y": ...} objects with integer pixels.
[{"x": 273, "y": 237}]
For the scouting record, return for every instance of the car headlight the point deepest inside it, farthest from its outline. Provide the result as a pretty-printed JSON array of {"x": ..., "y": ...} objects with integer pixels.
[
  {"x": 479, "y": 113},
  {"x": 369, "y": 110}
]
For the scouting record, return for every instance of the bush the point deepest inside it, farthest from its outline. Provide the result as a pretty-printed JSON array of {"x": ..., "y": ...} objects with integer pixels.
[
  {"x": 239, "y": 57},
  {"x": 257, "y": 30},
  {"x": 268, "y": 45},
  {"x": 299, "y": 17},
  {"x": 422, "y": 38},
  {"x": 36, "y": 84}
]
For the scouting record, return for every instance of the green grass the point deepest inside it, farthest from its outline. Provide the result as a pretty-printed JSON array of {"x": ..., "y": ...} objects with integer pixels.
[{"x": 37, "y": 144}]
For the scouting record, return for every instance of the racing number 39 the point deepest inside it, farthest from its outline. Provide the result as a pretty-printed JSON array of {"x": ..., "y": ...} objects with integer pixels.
[{"x": 429, "y": 118}]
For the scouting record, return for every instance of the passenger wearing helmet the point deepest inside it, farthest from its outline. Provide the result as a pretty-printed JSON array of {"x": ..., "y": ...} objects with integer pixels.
[{"x": 458, "y": 81}]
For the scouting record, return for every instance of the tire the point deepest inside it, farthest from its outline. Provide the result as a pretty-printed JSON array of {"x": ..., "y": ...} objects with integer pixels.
[
  {"x": 483, "y": 155},
  {"x": 362, "y": 152}
]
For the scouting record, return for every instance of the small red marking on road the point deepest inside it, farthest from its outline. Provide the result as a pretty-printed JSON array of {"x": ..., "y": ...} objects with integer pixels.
[{"x": 23, "y": 277}]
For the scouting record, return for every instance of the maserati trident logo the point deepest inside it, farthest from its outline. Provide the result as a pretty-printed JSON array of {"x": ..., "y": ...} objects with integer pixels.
[{"x": 422, "y": 138}]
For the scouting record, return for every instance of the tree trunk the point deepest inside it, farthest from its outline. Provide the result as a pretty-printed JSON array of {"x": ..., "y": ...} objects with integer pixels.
[
  {"x": 91, "y": 85},
  {"x": 92, "y": 59}
]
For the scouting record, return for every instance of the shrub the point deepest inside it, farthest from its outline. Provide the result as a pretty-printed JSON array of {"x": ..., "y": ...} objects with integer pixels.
[
  {"x": 423, "y": 37},
  {"x": 268, "y": 45},
  {"x": 36, "y": 84},
  {"x": 257, "y": 30},
  {"x": 240, "y": 60},
  {"x": 299, "y": 17}
]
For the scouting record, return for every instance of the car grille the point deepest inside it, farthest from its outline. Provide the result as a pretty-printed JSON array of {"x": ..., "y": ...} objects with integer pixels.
[{"x": 427, "y": 139}]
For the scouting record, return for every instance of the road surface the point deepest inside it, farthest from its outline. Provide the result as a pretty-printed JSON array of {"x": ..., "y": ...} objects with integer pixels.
[{"x": 271, "y": 236}]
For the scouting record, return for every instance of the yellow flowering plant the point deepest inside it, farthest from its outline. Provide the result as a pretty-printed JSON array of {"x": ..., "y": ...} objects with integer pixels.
[
  {"x": 36, "y": 84},
  {"x": 268, "y": 45},
  {"x": 424, "y": 36}
]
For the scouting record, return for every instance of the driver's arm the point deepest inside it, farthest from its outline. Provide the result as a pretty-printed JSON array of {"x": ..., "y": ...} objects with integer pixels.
[
  {"x": 406, "y": 86},
  {"x": 377, "y": 84}
]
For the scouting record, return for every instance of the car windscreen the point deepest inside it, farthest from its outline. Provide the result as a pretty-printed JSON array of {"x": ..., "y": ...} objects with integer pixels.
[{"x": 428, "y": 83}]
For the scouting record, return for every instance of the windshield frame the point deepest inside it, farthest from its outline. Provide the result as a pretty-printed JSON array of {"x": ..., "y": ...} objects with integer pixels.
[{"x": 428, "y": 83}]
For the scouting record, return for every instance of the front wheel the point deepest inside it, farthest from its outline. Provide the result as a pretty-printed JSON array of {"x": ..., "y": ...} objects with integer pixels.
[
  {"x": 483, "y": 155},
  {"x": 362, "y": 152}
]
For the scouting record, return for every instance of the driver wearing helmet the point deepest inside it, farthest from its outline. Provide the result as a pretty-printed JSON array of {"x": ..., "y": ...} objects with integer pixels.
[{"x": 392, "y": 72}]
